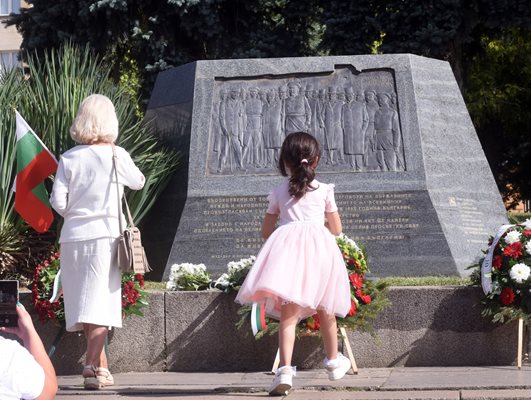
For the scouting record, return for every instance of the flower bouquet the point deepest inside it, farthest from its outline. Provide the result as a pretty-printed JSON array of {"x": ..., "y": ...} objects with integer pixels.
[
  {"x": 235, "y": 275},
  {"x": 48, "y": 300},
  {"x": 504, "y": 274},
  {"x": 188, "y": 276},
  {"x": 367, "y": 297}
]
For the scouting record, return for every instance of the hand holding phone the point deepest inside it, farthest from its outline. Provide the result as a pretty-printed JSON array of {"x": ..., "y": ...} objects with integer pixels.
[{"x": 8, "y": 303}]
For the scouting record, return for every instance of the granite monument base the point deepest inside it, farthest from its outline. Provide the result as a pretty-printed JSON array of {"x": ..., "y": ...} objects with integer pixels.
[{"x": 412, "y": 182}]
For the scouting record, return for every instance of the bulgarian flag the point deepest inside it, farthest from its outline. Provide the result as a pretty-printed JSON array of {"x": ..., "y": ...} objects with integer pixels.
[
  {"x": 258, "y": 320},
  {"x": 34, "y": 164}
]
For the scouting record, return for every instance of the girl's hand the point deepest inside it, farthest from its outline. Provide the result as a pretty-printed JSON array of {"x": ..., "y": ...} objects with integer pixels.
[
  {"x": 333, "y": 223},
  {"x": 269, "y": 224}
]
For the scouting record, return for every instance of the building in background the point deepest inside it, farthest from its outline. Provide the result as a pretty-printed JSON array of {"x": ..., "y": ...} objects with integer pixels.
[{"x": 10, "y": 39}]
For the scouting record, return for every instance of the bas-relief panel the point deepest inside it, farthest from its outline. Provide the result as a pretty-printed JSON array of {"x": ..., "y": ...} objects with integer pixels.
[{"x": 354, "y": 115}]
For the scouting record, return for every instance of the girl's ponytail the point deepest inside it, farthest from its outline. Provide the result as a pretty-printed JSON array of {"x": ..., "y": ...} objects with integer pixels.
[{"x": 298, "y": 158}]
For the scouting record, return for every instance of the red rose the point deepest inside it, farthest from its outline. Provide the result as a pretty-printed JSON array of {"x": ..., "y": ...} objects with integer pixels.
[
  {"x": 513, "y": 250},
  {"x": 526, "y": 232},
  {"x": 497, "y": 262},
  {"x": 507, "y": 296},
  {"x": 353, "y": 309}
]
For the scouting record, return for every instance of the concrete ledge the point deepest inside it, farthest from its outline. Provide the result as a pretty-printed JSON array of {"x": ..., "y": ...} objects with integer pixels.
[{"x": 195, "y": 331}]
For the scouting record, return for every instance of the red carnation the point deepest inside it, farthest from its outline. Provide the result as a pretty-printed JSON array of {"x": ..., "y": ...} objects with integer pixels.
[
  {"x": 353, "y": 309},
  {"x": 140, "y": 279},
  {"x": 513, "y": 250},
  {"x": 507, "y": 296},
  {"x": 497, "y": 262},
  {"x": 356, "y": 280},
  {"x": 363, "y": 297},
  {"x": 526, "y": 233},
  {"x": 316, "y": 323}
]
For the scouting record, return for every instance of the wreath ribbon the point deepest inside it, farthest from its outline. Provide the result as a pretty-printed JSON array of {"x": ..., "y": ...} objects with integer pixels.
[{"x": 486, "y": 266}]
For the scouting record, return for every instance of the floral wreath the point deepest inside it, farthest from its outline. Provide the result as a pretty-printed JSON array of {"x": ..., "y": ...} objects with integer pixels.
[
  {"x": 368, "y": 298},
  {"x": 48, "y": 301},
  {"x": 505, "y": 274}
]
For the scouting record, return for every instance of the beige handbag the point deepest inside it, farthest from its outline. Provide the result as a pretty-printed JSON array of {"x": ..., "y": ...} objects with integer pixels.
[{"x": 131, "y": 254}]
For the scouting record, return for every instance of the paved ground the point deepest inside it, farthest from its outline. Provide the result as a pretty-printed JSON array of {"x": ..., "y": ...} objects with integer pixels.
[{"x": 451, "y": 383}]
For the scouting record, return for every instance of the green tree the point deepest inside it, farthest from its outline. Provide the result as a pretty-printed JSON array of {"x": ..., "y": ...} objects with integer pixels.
[
  {"x": 498, "y": 94},
  {"x": 157, "y": 35}
]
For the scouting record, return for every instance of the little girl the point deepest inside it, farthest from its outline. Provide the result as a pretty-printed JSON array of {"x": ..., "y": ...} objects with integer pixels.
[{"x": 300, "y": 269}]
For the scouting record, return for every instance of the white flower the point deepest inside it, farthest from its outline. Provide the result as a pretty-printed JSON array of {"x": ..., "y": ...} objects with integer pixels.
[
  {"x": 349, "y": 241},
  {"x": 528, "y": 247},
  {"x": 512, "y": 237},
  {"x": 527, "y": 223},
  {"x": 496, "y": 288},
  {"x": 170, "y": 285},
  {"x": 519, "y": 272},
  {"x": 222, "y": 281}
]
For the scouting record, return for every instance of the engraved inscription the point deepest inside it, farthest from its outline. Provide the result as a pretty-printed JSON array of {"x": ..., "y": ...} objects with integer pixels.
[
  {"x": 370, "y": 217},
  {"x": 354, "y": 115},
  {"x": 471, "y": 219}
]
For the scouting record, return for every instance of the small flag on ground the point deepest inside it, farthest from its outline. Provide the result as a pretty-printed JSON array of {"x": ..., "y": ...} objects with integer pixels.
[
  {"x": 258, "y": 321},
  {"x": 34, "y": 164}
]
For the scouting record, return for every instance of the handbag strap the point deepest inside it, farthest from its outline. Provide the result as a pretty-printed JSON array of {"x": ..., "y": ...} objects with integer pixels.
[{"x": 114, "y": 164}]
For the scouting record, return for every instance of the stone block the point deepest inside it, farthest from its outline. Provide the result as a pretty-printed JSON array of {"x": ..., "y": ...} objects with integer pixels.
[{"x": 421, "y": 197}]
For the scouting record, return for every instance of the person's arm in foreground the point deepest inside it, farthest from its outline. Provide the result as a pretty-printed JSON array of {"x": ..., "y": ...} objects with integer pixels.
[{"x": 33, "y": 343}]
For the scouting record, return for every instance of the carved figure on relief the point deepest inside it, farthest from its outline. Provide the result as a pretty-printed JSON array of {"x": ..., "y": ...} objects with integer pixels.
[
  {"x": 221, "y": 138},
  {"x": 372, "y": 107},
  {"x": 231, "y": 122},
  {"x": 355, "y": 121},
  {"x": 297, "y": 110},
  {"x": 387, "y": 134},
  {"x": 319, "y": 116},
  {"x": 311, "y": 97},
  {"x": 332, "y": 125},
  {"x": 273, "y": 125},
  {"x": 253, "y": 146}
]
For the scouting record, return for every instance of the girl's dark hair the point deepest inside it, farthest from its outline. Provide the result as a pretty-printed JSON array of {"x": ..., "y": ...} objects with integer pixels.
[{"x": 298, "y": 154}]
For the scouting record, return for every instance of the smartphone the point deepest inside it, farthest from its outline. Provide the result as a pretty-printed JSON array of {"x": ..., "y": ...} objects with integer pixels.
[{"x": 8, "y": 303}]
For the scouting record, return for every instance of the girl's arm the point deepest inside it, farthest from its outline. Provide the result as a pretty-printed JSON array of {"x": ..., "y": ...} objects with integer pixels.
[
  {"x": 333, "y": 223},
  {"x": 268, "y": 226}
]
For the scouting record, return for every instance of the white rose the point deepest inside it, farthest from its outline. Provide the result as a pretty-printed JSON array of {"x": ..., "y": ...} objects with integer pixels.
[
  {"x": 528, "y": 247},
  {"x": 512, "y": 237},
  {"x": 527, "y": 223},
  {"x": 519, "y": 272}
]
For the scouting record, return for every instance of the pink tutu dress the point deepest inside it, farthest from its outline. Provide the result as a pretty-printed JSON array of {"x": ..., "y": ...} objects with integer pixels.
[{"x": 300, "y": 262}]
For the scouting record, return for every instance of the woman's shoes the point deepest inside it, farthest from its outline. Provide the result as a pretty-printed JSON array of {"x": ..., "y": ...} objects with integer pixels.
[
  {"x": 90, "y": 381},
  {"x": 104, "y": 376},
  {"x": 96, "y": 378}
]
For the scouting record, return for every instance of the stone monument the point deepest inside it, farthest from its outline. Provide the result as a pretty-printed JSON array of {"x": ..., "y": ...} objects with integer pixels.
[{"x": 412, "y": 183}]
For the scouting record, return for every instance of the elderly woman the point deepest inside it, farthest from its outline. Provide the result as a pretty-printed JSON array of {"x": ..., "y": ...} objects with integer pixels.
[{"x": 84, "y": 193}]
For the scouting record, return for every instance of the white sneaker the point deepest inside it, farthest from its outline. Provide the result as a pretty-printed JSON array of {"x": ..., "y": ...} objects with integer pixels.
[
  {"x": 337, "y": 368},
  {"x": 283, "y": 381}
]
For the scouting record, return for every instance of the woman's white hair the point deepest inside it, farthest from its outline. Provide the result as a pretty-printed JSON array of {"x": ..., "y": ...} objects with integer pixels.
[{"x": 95, "y": 121}]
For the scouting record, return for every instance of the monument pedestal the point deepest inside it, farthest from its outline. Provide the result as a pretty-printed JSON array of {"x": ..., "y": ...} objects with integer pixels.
[{"x": 412, "y": 183}]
